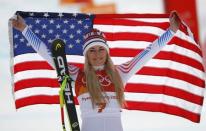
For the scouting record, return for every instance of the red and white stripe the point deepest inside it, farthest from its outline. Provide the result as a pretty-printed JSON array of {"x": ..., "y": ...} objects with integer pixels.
[{"x": 172, "y": 82}]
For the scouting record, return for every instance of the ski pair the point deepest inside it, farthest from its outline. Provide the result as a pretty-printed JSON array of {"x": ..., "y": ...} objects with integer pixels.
[{"x": 65, "y": 93}]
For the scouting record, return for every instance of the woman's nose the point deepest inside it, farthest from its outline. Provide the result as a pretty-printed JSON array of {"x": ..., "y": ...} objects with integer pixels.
[{"x": 97, "y": 53}]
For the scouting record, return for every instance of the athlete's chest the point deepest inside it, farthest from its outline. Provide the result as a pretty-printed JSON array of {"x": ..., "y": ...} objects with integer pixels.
[{"x": 102, "y": 77}]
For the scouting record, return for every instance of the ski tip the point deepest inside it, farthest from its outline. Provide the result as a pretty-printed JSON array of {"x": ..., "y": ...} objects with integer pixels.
[{"x": 58, "y": 44}]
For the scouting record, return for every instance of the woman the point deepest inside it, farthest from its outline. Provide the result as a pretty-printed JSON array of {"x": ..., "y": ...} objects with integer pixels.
[{"x": 100, "y": 86}]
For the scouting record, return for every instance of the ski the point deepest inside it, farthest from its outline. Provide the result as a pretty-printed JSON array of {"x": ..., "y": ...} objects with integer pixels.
[{"x": 66, "y": 94}]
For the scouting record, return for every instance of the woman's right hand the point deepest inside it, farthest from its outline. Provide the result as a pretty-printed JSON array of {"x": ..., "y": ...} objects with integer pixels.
[
  {"x": 175, "y": 21},
  {"x": 18, "y": 23}
]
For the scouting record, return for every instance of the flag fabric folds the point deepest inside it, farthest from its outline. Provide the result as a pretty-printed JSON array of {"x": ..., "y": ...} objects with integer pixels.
[{"x": 172, "y": 82}]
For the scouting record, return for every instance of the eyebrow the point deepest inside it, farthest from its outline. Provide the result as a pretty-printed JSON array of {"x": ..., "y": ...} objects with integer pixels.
[{"x": 92, "y": 48}]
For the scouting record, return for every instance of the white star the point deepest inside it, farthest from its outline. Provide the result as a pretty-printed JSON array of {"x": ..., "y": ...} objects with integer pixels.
[
  {"x": 30, "y": 26},
  {"x": 36, "y": 31},
  {"x": 15, "y": 46},
  {"x": 65, "y": 41},
  {"x": 75, "y": 14},
  {"x": 79, "y": 22},
  {"x": 58, "y": 26},
  {"x": 31, "y": 14},
  {"x": 46, "y": 15},
  {"x": 51, "y": 31},
  {"x": 70, "y": 46},
  {"x": 22, "y": 40},
  {"x": 43, "y": 36},
  {"x": 86, "y": 27},
  {"x": 44, "y": 26},
  {"x": 78, "y": 41},
  {"x": 72, "y": 26},
  {"x": 60, "y": 15},
  {"x": 16, "y": 36},
  {"x": 64, "y": 31},
  {"x": 50, "y": 41},
  {"x": 28, "y": 44},
  {"x": 71, "y": 36},
  {"x": 79, "y": 31},
  {"x": 57, "y": 36},
  {"x": 51, "y": 21},
  {"x": 66, "y": 21},
  {"x": 37, "y": 21}
]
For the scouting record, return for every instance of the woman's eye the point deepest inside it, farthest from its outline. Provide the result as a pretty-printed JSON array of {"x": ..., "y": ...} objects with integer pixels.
[
  {"x": 102, "y": 49},
  {"x": 91, "y": 50}
]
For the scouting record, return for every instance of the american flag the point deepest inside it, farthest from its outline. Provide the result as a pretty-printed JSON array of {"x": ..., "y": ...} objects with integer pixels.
[{"x": 172, "y": 82}]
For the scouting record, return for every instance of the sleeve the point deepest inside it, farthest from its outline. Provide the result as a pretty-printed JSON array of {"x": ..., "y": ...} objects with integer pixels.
[
  {"x": 128, "y": 69},
  {"x": 44, "y": 52}
]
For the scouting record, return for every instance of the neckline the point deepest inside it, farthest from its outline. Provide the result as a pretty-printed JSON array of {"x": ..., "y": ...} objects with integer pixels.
[{"x": 99, "y": 68}]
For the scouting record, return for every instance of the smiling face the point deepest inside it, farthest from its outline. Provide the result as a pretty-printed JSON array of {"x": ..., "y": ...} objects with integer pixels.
[{"x": 97, "y": 55}]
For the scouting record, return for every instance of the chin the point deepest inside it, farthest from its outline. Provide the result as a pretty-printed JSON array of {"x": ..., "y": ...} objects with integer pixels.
[{"x": 97, "y": 64}]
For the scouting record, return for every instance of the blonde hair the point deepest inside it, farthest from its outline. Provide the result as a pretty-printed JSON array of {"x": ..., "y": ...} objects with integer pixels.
[{"x": 96, "y": 92}]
